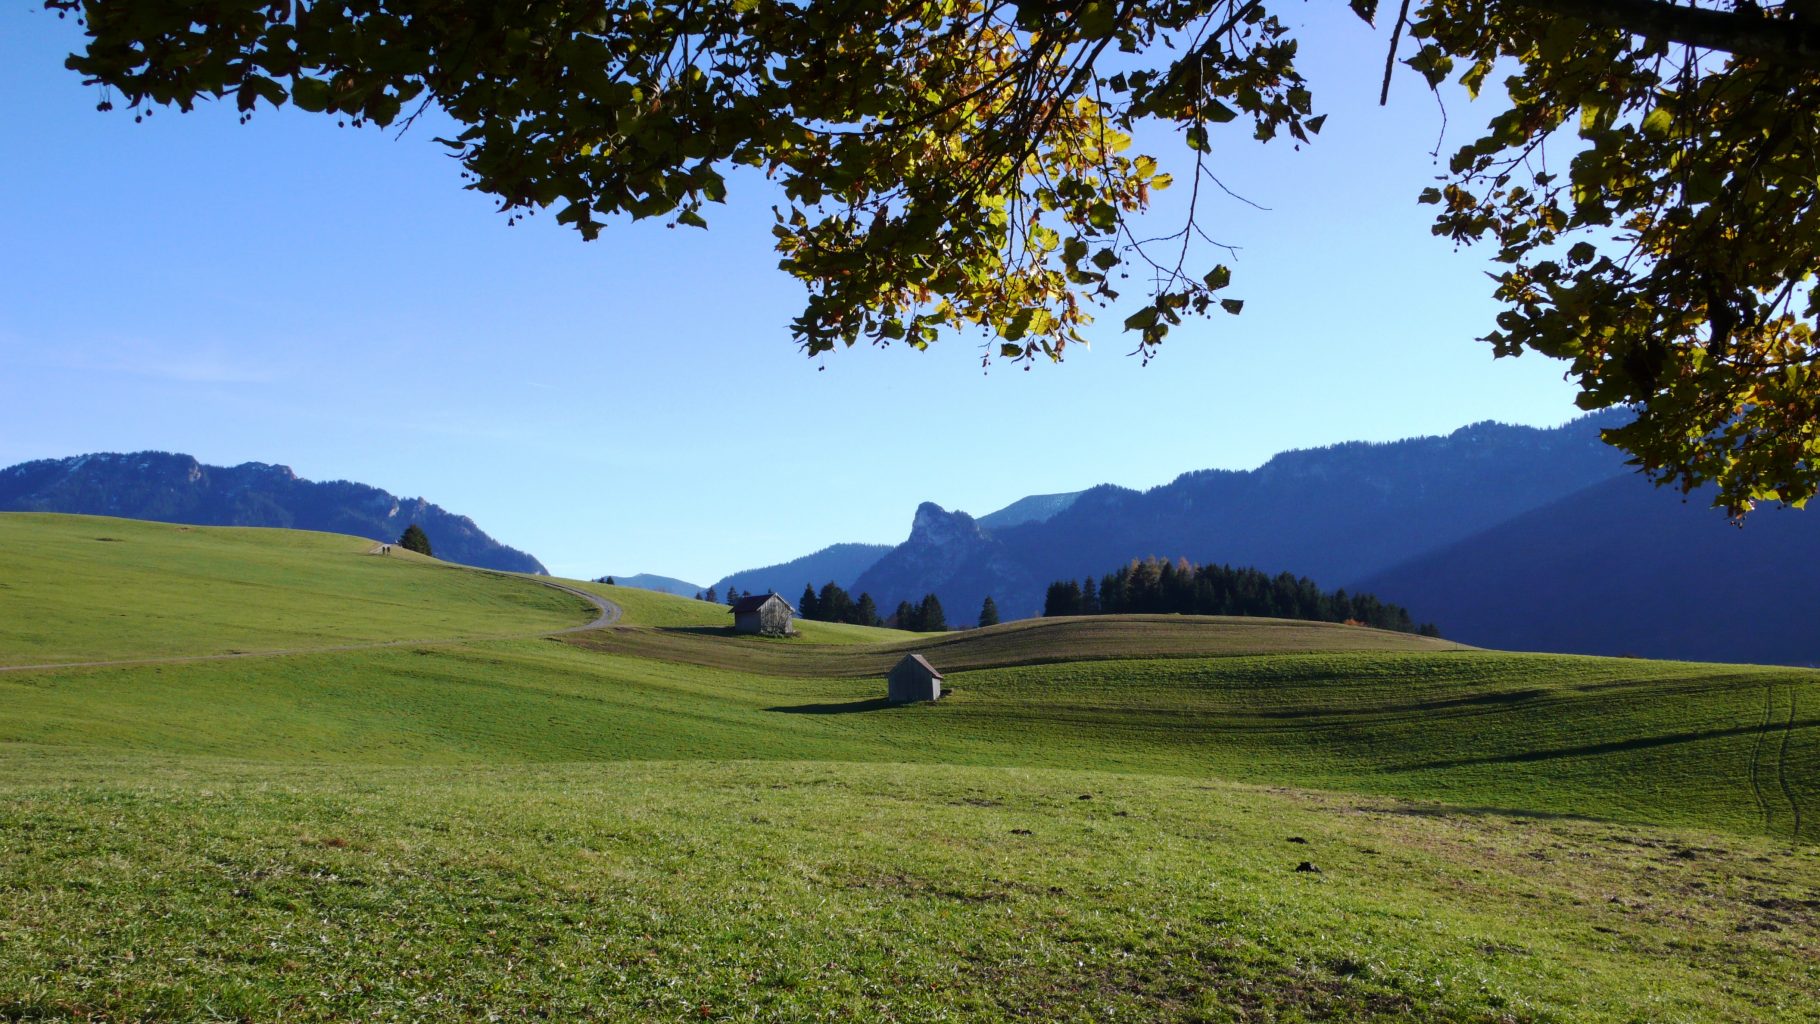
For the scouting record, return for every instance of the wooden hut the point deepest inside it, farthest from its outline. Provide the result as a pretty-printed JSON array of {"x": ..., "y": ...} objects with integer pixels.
[
  {"x": 913, "y": 679},
  {"x": 762, "y": 613}
]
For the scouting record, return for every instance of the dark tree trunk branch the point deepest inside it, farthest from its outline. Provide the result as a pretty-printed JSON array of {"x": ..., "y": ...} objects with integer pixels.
[{"x": 1746, "y": 32}]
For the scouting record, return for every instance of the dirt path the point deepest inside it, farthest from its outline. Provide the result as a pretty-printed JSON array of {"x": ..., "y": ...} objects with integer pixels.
[{"x": 609, "y": 614}]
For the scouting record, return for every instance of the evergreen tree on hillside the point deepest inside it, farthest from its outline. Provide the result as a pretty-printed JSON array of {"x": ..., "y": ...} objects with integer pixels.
[
  {"x": 1115, "y": 593},
  {"x": 989, "y": 612},
  {"x": 905, "y": 616},
  {"x": 865, "y": 611},
  {"x": 929, "y": 615},
  {"x": 732, "y": 596},
  {"x": 712, "y": 597},
  {"x": 1156, "y": 586},
  {"x": 833, "y": 604},
  {"x": 414, "y": 539},
  {"x": 1064, "y": 598},
  {"x": 807, "y": 606}
]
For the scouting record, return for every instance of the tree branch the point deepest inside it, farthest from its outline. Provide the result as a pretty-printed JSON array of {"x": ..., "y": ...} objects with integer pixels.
[{"x": 1746, "y": 32}]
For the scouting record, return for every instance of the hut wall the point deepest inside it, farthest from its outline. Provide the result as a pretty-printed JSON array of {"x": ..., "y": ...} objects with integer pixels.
[
  {"x": 774, "y": 617},
  {"x": 907, "y": 682}
]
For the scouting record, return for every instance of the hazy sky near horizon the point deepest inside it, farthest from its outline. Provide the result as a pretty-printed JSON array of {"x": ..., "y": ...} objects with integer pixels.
[{"x": 331, "y": 299}]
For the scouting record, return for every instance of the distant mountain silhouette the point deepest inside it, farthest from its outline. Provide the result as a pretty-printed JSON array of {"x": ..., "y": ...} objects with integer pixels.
[
  {"x": 837, "y": 563},
  {"x": 950, "y": 555},
  {"x": 1333, "y": 514},
  {"x": 842, "y": 564},
  {"x": 661, "y": 584},
  {"x": 173, "y": 488},
  {"x": 1034, "y": 508},
  {"x": 1624, "y": 567}
]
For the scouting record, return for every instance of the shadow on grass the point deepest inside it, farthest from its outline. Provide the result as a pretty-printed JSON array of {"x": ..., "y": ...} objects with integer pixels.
[
  {"x": 1616, "y": 746},
  {"x": 847, "y": 708},
  {"x": 1516, "y": 814}
]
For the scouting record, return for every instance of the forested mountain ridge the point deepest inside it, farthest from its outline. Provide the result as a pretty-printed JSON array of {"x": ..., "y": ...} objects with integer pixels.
[
  {"x": 839, "y": 564},
  {"x": 1333, "y": 514},
  {"x": 1624, "y": 567},
  {"x": 173, "y": 488}
]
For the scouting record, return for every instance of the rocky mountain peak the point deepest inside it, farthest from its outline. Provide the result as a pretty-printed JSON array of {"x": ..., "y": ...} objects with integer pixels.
[{"x": 936, "y": 525}]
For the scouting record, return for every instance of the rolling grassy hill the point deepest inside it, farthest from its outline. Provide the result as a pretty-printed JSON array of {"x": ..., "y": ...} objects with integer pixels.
[
  {"x": 91, "y": 588},
  {"x": 662, "y": 821}
]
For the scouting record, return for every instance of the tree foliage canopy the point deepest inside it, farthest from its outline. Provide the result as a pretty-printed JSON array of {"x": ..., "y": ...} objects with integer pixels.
[
  {"x": 414, "y": 539},
  {"x": 1648, "y": 186}
]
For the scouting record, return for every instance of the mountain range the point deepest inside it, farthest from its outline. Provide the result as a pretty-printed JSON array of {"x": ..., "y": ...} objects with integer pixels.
[
  {"x": 1335, "y": 514},
  {"x": 170, "y": 488},
  {"x": 1506, "y": 536},
  {"x": 1503, "y": 536},
  {"x": 651, "y": 581},
  {"x": 839, "y": 564},
  {"x": 1627, "y": 568}
]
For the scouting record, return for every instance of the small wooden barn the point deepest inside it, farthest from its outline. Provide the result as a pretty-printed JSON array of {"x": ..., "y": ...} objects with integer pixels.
[
  {"x": 913, "y": 679},
  {"x": 762, "y": 613}
]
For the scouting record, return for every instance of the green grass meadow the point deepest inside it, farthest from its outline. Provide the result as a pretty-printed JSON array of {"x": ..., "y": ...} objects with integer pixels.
[
  {"x": 661, "y": 821},
  {"x": 88, "y": 588}
]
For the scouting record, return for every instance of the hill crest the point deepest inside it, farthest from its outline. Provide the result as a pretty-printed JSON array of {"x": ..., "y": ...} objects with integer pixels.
[{"x": 172, "y": 487}]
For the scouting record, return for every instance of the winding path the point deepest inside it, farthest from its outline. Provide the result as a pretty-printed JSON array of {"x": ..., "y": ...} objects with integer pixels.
[{"x": 609, "y": 614}]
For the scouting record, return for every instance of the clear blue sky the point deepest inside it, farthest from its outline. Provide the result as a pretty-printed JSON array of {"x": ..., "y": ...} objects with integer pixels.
[{"x": 330, "y": 299}]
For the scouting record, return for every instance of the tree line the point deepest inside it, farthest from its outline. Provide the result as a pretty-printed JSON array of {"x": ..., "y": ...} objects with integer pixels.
[
  {"x": 833, "y": 604},
  {"x": 1158, "y": 586}
]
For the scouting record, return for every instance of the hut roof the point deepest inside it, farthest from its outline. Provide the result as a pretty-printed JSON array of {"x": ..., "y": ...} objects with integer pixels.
[
  {"x": 753, "y": 602},
  {"x": 923, "y": 663}
]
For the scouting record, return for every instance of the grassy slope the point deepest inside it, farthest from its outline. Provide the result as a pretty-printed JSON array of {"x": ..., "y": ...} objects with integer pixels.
[
  {"x": 667, "y": 611},
  {"x": 184, "y": 890},
  {"x": 1640, "y": 741},
  {"x": 872, "y": 652},
  {"x": 83, "y": 588},
  {"x": 539, "y": 828}
]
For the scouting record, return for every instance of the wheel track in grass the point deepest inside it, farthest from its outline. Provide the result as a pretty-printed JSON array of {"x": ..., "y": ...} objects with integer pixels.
[
  {"x": 1756, "y": 754},
  {"x": 609, "y": 614},
  {"x": 1788, "y": 791}
]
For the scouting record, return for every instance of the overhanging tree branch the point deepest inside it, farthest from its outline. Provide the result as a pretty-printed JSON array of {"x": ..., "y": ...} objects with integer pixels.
[{"x": 1747, "y": 31}]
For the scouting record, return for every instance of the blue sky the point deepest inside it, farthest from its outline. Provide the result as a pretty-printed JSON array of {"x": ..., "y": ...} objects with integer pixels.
[{"x": 331, "y": 299}]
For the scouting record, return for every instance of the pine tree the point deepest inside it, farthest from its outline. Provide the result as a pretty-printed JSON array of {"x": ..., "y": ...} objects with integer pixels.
[
  {"x": 807, "y": 606},
  {"x": 712, "y": 597},
  {"x": 1115, "y": 592},
  {"x": 989, "y": 612},
  {"x": 833, "y": 604},
  {"x": 929, "y": 615},
  {"x": 1183, "y": 588},
  {"x": 414, "y": 539},
  {"x": 865, "y": 611},
  {"x": 1064, "y": 598},
  {"x": 905, "y": 616},
  {"x": 732, "y": 596}
]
